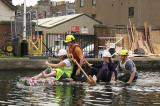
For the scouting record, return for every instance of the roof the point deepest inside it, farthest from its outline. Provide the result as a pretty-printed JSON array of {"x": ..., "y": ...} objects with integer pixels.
[
  {"x": 9, "y": 4},
  {"x": 54, "y": 21}
]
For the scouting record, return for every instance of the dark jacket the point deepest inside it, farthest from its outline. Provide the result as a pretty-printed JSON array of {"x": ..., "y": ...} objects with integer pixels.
[{"x": 103, "y": 71}]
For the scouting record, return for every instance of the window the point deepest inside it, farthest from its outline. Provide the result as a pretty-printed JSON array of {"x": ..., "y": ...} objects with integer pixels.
[
  {"x": 131, "y": 11},
  {"x": 81, "y": 3},
  {"x": 93, "y": 2}
]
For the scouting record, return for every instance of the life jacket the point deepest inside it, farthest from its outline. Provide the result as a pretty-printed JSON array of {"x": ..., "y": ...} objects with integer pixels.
[
  {"x": 123, "y": 66},
  {"x": 72, "y": 51},
  {"x": 61, "y": 70}
]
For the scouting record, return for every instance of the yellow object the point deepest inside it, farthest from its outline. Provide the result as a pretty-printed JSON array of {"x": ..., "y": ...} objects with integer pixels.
[
  {"x": 9, "y": 48},
  {"x": 35, "y": 45},
  {"x": 69, "y": 38},
  {"x": 124, "y": 53}
]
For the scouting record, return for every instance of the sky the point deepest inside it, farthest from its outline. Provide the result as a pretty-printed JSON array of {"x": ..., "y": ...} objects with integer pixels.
[{"x": 32, "y": 2}]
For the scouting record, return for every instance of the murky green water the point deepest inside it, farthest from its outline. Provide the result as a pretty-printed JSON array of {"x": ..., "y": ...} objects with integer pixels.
[{"x": 145, "y": 92}]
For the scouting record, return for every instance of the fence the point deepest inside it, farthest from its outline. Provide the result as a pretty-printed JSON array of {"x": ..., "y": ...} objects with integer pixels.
[
  {"x": 53, "y": 42},
  {"x": 35, "y": 45}
]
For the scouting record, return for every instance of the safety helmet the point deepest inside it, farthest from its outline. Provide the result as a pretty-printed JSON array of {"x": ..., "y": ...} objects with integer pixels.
[
  {"x": 69, "y": 38},
  {"x": 62, "y": 52},
  {"x": 106, "y": 54},
  {"x": 124, "y": 53}
]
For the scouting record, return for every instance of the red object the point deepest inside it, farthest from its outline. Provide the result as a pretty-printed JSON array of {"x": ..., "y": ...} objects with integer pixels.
[
  {"x": 71, "y": 50},
  {"x": 62, "y": 36},
  {"x": 75, "y": 29}
]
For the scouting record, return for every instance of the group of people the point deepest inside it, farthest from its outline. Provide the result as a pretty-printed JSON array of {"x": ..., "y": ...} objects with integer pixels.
[{"x": 104, "y": 71}]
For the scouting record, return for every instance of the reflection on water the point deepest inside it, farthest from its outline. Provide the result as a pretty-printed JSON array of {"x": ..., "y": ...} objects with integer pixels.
[{"x": 146, "y": 91}]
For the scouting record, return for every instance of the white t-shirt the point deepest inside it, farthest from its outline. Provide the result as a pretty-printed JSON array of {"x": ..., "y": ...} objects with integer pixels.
[{"x": 67, "y": 62}]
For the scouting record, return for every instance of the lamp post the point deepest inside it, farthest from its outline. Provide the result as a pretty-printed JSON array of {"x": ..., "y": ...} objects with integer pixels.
[{"x": 24, "y": 44}]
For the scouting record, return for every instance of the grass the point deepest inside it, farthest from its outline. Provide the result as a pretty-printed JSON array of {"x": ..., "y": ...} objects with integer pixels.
[{"x": 9, "y": 57}]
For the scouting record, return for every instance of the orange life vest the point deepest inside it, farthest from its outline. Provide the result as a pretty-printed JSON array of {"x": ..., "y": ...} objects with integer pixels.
[{"x": 72, "y": 51}]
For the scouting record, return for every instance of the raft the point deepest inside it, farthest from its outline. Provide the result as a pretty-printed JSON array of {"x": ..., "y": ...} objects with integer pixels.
[{"x": 26, "y": 82}]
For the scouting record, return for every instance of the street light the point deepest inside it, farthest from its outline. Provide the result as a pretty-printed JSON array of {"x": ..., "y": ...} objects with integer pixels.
[{"x": 24, "y": 44}]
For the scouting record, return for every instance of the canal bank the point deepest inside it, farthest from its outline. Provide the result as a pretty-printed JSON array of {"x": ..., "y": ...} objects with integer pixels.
[{"x": 142, "y": 63}]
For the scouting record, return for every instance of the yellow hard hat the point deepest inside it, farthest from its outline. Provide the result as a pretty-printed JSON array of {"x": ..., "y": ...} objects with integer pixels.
[
  {"x": 124, "y": 53},
  {"x": 69, "y": 38}
]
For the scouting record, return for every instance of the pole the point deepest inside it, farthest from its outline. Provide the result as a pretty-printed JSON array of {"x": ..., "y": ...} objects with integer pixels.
[
  {"x": 139, "y": 12},
  {"x": 24, "y": 44},
  {"x": 31, "y": 22},
  {"x": 11, "y": 28},
  {"x": 24, "y": 21},
  {"x": 37, "y": 22}
]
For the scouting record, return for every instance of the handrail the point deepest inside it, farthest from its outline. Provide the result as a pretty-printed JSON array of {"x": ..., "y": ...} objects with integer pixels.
[{"x": 107, "y": 48}]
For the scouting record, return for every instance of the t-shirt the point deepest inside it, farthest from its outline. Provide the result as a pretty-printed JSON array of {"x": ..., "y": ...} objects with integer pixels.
[
  {"x": 78, "y": 51},
  {"x": 130, "y": 66},
  {"x": 67, "y": 62}
]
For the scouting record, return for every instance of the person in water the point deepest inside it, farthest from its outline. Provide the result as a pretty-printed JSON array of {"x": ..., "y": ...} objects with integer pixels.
[
  {"x": 61, "y": 70},
  {"x": 128, "y": 67},
  {"x": 103, "y": 70}
]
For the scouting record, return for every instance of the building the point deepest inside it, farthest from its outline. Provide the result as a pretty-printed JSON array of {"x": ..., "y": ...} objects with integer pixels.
[
  {"x": 7, "y": 13},
  {"x": 117, "y": 12},
  {"x": 44, "y": 10},
  {"x": 48, "y": 8},
  {"x": 77, "y": 23},
  {"x": 17, "y": 24},
  {"x": 63, "y": 8},
  {"x": 54, "y": 29}
]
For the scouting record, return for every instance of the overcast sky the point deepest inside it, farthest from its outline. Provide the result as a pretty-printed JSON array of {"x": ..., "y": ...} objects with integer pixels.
[{"x": 32, "y": 2}]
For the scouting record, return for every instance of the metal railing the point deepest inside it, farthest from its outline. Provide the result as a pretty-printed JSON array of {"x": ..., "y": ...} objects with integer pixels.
[
  {"x": 53, "y": 42},
  {"x": 111, "y": 42}
]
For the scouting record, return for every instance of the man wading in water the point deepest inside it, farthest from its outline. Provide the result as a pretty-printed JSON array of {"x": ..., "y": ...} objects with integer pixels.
[{"x": 128, "y": 67}]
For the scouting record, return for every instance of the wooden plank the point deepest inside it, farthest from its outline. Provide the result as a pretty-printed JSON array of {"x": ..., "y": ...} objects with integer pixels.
[
  {"x": 149, "y": 40},
  {"x": 146, "y": 44},
  {"x": 145, "y": 31}
]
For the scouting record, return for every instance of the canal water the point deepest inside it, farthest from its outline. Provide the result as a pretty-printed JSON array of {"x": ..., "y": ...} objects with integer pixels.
[{"x": 145, "y": 92}]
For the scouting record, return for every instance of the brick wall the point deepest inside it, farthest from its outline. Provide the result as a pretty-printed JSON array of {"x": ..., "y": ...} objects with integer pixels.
[{"x": 5, "y": 32}]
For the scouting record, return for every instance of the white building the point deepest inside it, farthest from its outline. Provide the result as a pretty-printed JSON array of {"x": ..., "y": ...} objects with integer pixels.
[{"x": 68, "y": 23}]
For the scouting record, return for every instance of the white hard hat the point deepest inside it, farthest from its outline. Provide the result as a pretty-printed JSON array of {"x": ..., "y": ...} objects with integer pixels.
[
  {"x": 106, "y": 54},
  {"x": 62, "y": 52}
]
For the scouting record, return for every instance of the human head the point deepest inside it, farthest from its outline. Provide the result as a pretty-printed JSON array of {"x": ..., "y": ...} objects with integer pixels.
[
  {"x": 69, "y": 38},
  {"x": 106, "y": 56},
  {"x": 62, "y": 53},
  {"x": 123, "y": 54}
]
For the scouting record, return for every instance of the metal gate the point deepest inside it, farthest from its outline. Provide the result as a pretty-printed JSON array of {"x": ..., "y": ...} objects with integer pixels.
[{"x": 53, "y": 42}]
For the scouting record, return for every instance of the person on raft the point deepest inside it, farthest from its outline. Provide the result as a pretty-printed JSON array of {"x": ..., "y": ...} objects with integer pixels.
[
  {"x": 103, "y": 70},
  {"x": 128, "y": 67},
  {"x": 75, "y": 50},
  {"x": 61, "y": 70}
]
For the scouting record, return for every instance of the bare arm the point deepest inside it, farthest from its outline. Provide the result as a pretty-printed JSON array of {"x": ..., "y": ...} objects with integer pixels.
[
  {"x": 131, "y": 77},
  {"x": 55, "y": 65},
  {"x": 113, "y": 75},
  {"x": 81, "y": 63},
  {"x": 89, "y": 65}
]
